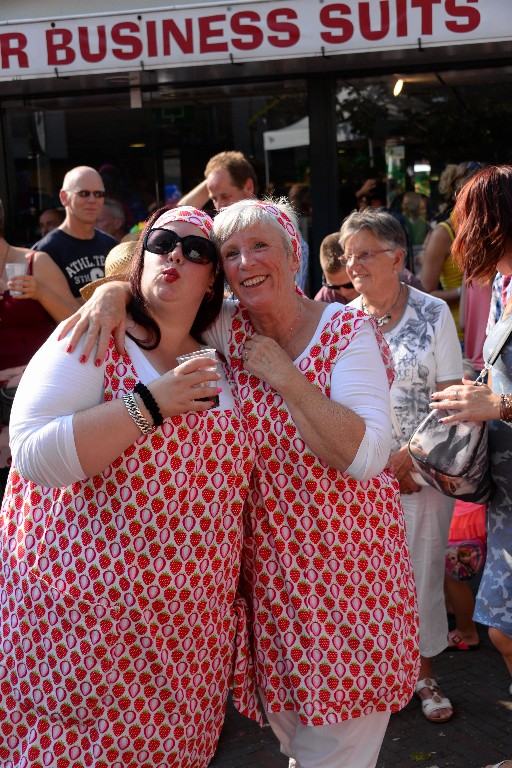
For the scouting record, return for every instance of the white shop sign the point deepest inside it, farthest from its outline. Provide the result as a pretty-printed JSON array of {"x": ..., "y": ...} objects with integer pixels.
[{"x": 209, "y": 33}]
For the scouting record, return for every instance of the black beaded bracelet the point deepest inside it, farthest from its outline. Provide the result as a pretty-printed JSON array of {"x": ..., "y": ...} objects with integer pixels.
[{"x": 150, "y": 403}]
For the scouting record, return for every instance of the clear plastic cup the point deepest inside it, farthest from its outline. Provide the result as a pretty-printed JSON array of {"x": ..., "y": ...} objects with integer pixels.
[
  {"x": 15, "y": 270},
  {"x": 203, "y": 353}
]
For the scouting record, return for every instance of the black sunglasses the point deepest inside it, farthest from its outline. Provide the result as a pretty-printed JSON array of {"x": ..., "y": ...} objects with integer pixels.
[
  {"x": 336, "y": 287},
  {"x": 197, "y": 249},
  {"x": 84, "y": 193}
]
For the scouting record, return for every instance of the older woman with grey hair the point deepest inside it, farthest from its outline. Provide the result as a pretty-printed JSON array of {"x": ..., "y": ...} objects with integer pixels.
[{"x": 421, "y": 333}]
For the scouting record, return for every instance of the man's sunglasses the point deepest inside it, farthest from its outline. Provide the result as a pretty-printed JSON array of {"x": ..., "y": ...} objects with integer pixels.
[
  {"x": 197, "y": 249},
  {"x": 336, "y": 287},
  {"x": 98, "y": 193}
]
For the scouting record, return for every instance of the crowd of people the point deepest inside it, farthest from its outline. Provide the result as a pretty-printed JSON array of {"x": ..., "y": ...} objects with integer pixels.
[{"x": 251, "y": 518}]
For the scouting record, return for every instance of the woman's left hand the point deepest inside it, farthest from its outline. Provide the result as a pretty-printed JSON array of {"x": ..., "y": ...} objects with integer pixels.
[
  {"x": 469, "y": 402},
  {"x": 267, "y": 360},
  {"x": 26, "y": 285},
  {"x": 400, "y": 463}
]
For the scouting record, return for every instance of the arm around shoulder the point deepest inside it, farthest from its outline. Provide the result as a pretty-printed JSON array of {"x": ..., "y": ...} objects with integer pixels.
[{"x": 53, "y": 292}]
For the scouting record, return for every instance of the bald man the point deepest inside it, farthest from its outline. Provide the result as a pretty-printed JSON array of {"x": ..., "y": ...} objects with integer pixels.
[{"x": 76, "y": 245}]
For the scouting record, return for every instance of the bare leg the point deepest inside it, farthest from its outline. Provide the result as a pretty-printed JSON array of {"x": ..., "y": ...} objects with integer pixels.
[
  {"x": 503, "y": 643},
  {"x": 460, "y": 596}
]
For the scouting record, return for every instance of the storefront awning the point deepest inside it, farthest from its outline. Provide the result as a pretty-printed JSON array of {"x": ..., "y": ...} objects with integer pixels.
[{"x": 245, "y": 31}]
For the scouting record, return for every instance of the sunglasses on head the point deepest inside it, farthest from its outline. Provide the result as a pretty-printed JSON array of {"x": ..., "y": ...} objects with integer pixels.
[
  {"x": 336, "y": 287},
  {"x": 196, "y": 249}
]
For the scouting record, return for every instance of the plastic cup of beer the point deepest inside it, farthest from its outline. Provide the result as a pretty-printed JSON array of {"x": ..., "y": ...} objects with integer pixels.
[
  {"x": 15, "y": 270},
  {"x": 202, "y": 353}
]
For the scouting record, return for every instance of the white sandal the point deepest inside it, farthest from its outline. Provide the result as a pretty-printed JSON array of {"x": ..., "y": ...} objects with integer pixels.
[{"x": 435, "y": 702}]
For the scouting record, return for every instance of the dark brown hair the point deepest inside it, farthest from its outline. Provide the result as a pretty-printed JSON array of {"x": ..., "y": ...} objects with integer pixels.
[
  {"x": 483, "y": 222},
  {"x": 138, "y": 308}
]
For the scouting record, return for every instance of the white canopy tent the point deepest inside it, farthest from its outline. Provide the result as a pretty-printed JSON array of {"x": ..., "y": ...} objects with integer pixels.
[{"x": 297, "y": 135}]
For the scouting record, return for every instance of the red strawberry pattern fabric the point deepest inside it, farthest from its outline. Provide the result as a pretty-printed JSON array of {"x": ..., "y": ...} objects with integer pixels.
[
  {"x": 325, "y": 562},
  {"x": 119, "y": 614}
]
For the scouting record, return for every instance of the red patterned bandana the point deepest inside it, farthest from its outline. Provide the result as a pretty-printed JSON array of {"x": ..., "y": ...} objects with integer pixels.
[
  {"x": 286, "y": 224},
  {"x": 190, "y": 215}
]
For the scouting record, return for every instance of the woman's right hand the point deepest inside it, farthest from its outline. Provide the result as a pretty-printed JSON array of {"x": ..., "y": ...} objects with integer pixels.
[
  {"x": 103, "y": 315},
  {"x": 469, "y": 402},
  {"x": 186, "y": 387}
]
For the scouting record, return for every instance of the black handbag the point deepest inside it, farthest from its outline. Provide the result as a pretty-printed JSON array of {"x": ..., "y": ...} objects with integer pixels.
[
  {"x": 6, "y": 400},
  {"x": 454, "y": 458}
]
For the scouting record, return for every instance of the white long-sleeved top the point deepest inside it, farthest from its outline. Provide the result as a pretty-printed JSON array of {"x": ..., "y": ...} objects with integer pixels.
[
  {"x": 358, "y": 381},
  {"x": 56, "y": 385}
]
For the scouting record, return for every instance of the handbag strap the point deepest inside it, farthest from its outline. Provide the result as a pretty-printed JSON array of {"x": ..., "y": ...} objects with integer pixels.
[
  {"x": 396, "y": 423},
  {"x": 495, "y": 353}
]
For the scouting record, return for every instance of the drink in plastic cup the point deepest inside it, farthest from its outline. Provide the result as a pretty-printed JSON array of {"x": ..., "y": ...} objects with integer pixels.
[
  {"x": 202, "y": 353},
  {"x": 15, "y": 270}
]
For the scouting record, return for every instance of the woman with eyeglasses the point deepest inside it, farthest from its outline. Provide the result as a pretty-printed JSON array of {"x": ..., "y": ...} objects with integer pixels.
[
  {"x": 421, "y": 334},
  {"x": 121, "y": 532},
  {"x": 325, "y": 562}
]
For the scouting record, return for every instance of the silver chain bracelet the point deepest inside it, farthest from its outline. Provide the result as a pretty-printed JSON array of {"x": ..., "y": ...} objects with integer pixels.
[{"x": 134, "y": 411}]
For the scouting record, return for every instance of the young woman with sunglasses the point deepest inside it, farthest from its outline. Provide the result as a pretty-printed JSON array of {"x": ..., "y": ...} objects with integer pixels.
[{"x": 122, "y": 532}]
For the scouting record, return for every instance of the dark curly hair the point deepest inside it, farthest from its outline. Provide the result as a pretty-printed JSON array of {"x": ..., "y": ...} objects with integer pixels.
[{"x": 138, "y": 307}]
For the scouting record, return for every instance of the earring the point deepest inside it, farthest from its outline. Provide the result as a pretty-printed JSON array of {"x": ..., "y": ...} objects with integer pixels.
[{"x": 209, "y": 296}]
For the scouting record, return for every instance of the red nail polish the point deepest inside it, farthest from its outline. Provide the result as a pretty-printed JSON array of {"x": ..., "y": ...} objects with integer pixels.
[
  {"x": 97, "y": 362},
  {"x": 69, "y": 348},
  {"x": 82, "y": 358},
  {"x": 219, "y": 389}
]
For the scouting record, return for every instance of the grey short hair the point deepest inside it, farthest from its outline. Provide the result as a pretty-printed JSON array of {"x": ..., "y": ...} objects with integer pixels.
[
  {"x": 380, "y": 223},
  {"x": 246, "y": 213},
  {"x": 116, "y": 208}
]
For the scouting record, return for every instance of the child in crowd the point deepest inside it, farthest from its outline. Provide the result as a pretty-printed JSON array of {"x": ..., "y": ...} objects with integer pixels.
[{"x": 336, "y": 285}]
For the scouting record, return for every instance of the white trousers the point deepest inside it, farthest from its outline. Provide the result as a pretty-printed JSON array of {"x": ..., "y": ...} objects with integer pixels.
[
  {"x": 350, "y": 744},
  {"x": 428, "y": 516}
]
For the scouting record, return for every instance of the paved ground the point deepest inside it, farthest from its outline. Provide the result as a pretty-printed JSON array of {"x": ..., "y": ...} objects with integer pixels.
[{"x": 479, "y": 733}]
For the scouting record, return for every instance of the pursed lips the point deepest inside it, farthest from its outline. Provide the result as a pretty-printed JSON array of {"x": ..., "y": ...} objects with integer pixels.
[{"x": 170, "y": 275}]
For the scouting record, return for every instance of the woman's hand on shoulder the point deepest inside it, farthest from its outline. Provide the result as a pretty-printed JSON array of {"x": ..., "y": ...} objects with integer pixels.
[
  {"x": 467, "y": 402},
  {"x": 103, "y": 315}
]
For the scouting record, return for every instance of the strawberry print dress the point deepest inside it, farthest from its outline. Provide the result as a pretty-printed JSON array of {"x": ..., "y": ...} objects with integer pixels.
[
  {"x": 119, "y": 615},
  {"x": 326, "y": 564}
]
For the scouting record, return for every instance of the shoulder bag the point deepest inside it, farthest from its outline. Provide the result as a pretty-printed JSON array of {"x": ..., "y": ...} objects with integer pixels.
[{"x": 454, "y": 458}]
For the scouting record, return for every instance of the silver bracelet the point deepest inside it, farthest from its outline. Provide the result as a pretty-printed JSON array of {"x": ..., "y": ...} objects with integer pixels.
[{"x": 134, "y": 411}]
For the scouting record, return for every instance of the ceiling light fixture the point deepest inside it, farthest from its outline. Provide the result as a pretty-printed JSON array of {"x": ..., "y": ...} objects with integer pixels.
[{"x": 397, "y": 90}]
